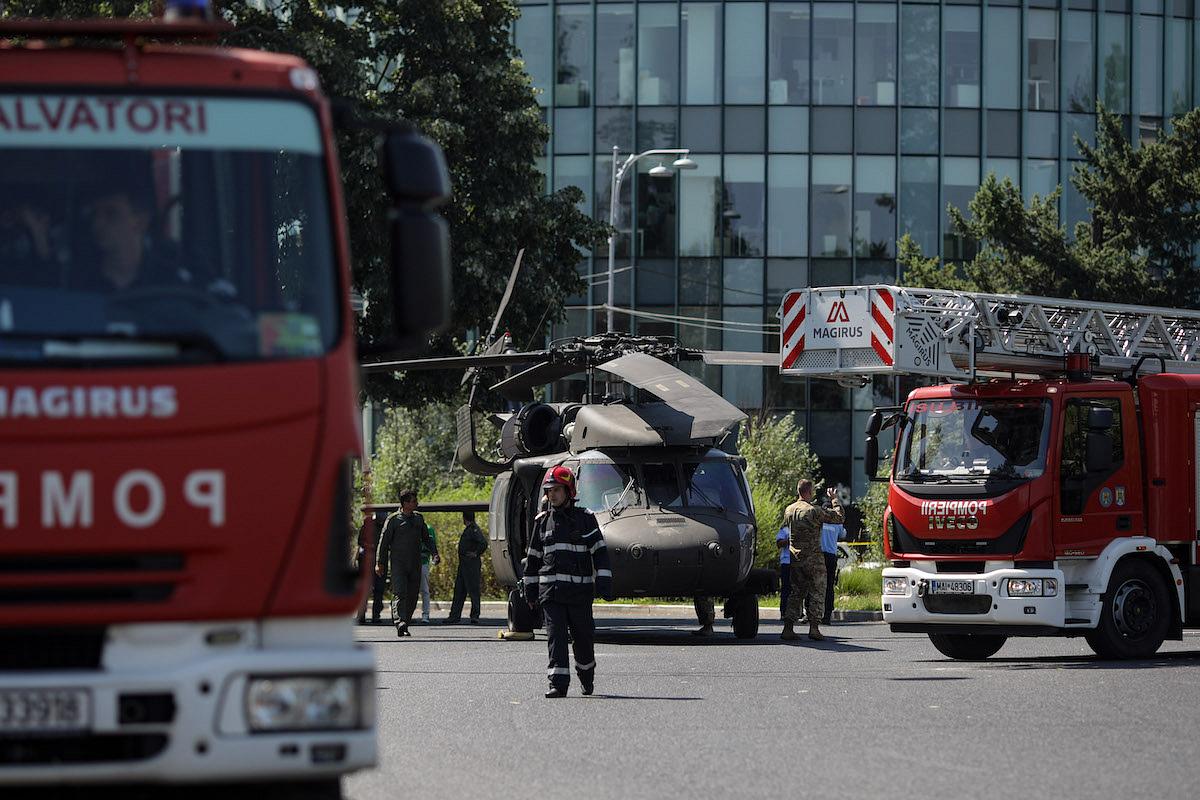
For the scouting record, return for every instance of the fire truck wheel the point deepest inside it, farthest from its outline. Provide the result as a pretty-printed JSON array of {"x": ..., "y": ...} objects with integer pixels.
[
  {"x": 1135, "y": 613},
  {"x": 967, "y": 646},
  {"x": 745, "y": 617}
]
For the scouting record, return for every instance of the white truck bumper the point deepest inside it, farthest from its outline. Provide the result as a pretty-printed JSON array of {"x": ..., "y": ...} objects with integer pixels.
[
  {"x": 988, "y": 604},
  {"x": 204, "y": 669}
]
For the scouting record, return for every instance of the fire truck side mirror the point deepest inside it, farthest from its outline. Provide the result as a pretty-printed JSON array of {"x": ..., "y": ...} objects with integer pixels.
[
  {"x": 1099, "y": 454},
  {"x": 871, "y": 456},
  {"x": 417, "y": 178},
  {"x": 1100, "y": 419}
]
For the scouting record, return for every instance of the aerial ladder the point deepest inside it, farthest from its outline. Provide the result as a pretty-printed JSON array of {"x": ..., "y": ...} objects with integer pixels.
[{"x": 850, "y": 333}]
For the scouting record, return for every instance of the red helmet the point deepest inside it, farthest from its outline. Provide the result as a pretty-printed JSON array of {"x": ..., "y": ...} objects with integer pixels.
[{"x": 560, "y": 476}]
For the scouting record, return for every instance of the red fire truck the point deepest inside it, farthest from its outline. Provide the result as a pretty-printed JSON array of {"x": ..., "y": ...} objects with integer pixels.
[
  {"x": 1047, "y": 486},
  {"x": 179, "y": 410}
]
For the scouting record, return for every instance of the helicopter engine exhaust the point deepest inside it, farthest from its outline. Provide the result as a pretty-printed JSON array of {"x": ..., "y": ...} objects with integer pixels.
[{"x": 534, "y": 430}]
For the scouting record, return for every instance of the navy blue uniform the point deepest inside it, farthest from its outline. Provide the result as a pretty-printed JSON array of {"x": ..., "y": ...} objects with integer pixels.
[{"x": 566, "y": 565}]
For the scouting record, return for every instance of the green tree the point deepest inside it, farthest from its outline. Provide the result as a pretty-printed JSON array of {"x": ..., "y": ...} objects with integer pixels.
[
  {"x": 450, "y": 68},
  {"x": 777, "y": 456},
  {"x": 1138, "y": 246}
]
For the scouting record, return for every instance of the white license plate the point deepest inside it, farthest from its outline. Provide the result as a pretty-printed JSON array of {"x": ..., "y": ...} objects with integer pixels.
[
  {"x": 36, "y": 710},
  {"x": 952, "y": 587}
]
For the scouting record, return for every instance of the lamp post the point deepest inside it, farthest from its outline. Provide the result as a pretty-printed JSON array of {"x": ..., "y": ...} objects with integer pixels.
[{"x": 618, "y": 174}]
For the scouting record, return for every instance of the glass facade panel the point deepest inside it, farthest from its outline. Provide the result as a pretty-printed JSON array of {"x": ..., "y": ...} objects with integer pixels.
[
  {"x": 787, "y": 130},
  {"x": 1081, "y": 125},
  {"x": 875, "y": 130},
  {"x": 573, "y": 71},
  {"x": 961, "y": 134},
  {"x": 919, "y": 205},
  {"x": 788, "y": 53},
  {"x": 657, "y": 128},
  {"x": 1041, "y": 59},
  {"x": 787, "y": 203},
  {"x": 614, "y": 126},
  {"x": 575, "y": 171},
  {"x": 1179, "y": 66},
  {"x": 831, "y": 272},
  {"x": 745, "y": 129},
  {"x": 833, "y": 54},
  {"x": 830, "y": 206},
  {"x": 701, "y": 57},
  {"x": 700, "y": 207},
  {"x": 1076, "y": 207},
  {"x": 655, "y": 285},
  {"x": 742, "y": 283},
  {"x": 1001, "y": 54},
  {"x": 1003, "y": 168},
  {"x": 656, "y": 202},
  {"x": 832, "y": 130},
  {"x": 700, "y": 128},
  {"x": 572, "y": 130},
  {"x": 1149, "y": 66},
  {"x": 742, "y": 209},
  {"x": 743, "y": 386},
  {"x": 614, "y": 55},
  {"x": 1114, "y": 62},
  {"x": 783, "y": 275},
  {"x": 1041, "y": 134},
  {"x": 919, "y": 53},
  {"x": 1004, "y": 133},
  {"x": 918, "y": 130},
  {"x": 960, "y": 52},
  {"x": 960, "y": 179},
  {"x": 699, "y": 282},
  {"x": 1041, "y": 178},
  {"x": 534, "y": 37},
  {"x": 704, "y": 338},
  {"x": 1079, "y": 63},
  {"x": 875, "y": 54},
  {"x": 658, "y": 54},
  {"x": 745, "y": 79},
  {"x": 875, "y": 207}
]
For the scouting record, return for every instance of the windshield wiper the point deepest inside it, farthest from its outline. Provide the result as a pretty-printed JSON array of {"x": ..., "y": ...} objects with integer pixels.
[
  {"x": 120, "y": 346},
  {"x": 617, "y": 508},
  {"x": 705, "y": 498}
]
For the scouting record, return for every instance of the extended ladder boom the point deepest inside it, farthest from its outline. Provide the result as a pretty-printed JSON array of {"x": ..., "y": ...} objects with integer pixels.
[{"x": 853, "y": 332}]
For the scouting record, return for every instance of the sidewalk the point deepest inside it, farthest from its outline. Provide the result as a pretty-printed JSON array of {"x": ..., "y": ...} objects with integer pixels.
[{"x": 492, "y": 609}]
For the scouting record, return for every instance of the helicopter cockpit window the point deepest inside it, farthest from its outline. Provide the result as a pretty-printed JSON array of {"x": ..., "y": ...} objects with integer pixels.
[
  {"x": 662, "y": 485},
  {"x": 713, "y": 484},
  {"x": 601, "y": 486}
]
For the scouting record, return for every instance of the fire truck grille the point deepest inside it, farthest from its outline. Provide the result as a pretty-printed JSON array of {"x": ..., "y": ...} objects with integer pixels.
[
  {"x": 88, "y": 579},
  {"x": 24, "y": 649},
  {"x": 957, "y": 603},
  {"x": 85, "y": 749},
  {"x": 1008, "y": 543}
]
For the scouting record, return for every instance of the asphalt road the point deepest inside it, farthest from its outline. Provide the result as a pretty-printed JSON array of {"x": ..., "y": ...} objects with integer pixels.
[{"x": 866, "y": 714}]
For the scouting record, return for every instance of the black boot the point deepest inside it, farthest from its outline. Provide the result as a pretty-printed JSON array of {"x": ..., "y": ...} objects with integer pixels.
[
  {"x": 402, "y": 630},
  {"x": 587, "y": 683},
  {"x": 554, "y": 692}
]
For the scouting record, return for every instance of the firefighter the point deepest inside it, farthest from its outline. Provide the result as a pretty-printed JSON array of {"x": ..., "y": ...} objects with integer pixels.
[
  {"x": 472, "y": 544},
  {"x": 565, "y": 566},
  {"x": 803, "y": 519},
  {"x": 400, "y": 551}
]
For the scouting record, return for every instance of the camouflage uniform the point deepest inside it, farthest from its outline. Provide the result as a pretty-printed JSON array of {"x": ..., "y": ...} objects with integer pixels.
[{"x": 804, "y": 521}]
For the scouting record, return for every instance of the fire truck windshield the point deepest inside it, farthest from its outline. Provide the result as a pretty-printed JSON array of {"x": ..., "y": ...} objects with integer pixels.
[
  {"x": 974, "y": 440},
  {"x": 163, "y": 228}
]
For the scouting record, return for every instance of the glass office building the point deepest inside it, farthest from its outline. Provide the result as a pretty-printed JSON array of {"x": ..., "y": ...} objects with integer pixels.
[{"x": 822, "y": 132}]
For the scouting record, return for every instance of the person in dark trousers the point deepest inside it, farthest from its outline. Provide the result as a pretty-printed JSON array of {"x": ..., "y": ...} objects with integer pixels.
[
  {"x": 472, "y": 544},
  {"x": 785, "y": 567},
  {"x": 831, "y": 532},
  {"x": 378, "y": 582},
  {"x": 400, "y": 551},
  {"x": 566, "y": 565}
]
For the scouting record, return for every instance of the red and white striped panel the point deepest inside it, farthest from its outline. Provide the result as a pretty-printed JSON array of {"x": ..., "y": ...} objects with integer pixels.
[
  {"x": 883, "y": 307},
  {"x": 791, "y": 324}
]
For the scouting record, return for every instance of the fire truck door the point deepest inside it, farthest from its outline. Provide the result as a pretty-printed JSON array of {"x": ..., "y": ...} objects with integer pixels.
[{"x": 1097, "y": 501}]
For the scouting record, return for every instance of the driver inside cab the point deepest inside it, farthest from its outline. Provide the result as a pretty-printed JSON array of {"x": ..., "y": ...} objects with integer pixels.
[{"x": 120, "y": 226}]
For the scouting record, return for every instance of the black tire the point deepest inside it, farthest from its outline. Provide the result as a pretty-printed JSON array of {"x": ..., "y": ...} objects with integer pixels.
[
  {"x": 745, "y": 617},
  {"x": 967, "y": 646},
  {"x": 1135, "y": 613},
  {"x": 520, "y": 616}
]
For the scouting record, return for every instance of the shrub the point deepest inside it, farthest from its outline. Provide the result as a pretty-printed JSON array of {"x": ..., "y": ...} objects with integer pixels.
[{"x": 777, "y": 456}]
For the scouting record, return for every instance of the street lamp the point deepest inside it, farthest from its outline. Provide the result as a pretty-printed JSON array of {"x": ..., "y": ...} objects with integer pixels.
[{"x": 618, "y": 174}]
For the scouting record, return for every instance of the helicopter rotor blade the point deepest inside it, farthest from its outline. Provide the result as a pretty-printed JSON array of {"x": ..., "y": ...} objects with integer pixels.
[
  {"x": 508, "y": 290},
  {"x": 711, "y": 414},
  {"x": 521, "y": 385},
  {"x": 740, "y": 358},
  {"x": 456, "y": 362}
]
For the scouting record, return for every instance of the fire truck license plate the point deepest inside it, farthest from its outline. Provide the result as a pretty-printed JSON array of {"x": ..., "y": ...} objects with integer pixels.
[
  {"x": 952, "y": 587},
  {"x": 33, "y": 710}
]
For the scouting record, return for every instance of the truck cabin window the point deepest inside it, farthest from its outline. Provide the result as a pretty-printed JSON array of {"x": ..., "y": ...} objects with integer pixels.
[
  {"x": 974, "y": 441},
  {"x": 164, "y": 228},
  {"x": 1076, "y": 483}
]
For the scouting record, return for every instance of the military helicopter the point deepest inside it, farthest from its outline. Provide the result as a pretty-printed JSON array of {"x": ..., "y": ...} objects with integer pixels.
[{"x": 655, "y": 454}]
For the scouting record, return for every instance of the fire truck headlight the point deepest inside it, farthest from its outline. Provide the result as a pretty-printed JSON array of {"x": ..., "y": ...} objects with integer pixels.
[
  {"x": 895, "y": 586},
  {"x": 1024, "y": 587},
  {"x": 1050, "y": 587},
  {"x": 313, "y": 702}
]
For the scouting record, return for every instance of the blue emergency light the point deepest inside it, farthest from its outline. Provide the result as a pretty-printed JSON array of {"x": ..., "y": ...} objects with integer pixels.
[{"x": 187, "y": 9}]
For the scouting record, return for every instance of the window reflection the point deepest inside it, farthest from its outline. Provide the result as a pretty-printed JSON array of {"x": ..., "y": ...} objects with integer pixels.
[
  {"x": 1001, "y": 53},
  {"x": 533, "y": 39},
  {"x": 961, "y": 53},
  {"x": 601, "y": 486},
  {"x": 656, "y": 214},
  {"x": 662, "y": 485},
  {"x": 574, "y": 68},
  {"x": 745, "y": 27},
  {"x": 830, "y": 206},
  {"x": 714, "y": 484},
  {"x": 1179, "y": 67},
  {"x": 1041, "y": 178},
  {"x": 701, "y": 57},
  {"x": 788, "y": 53},
  {"x": 875, "y": 75},
  {"x": 1114, "y": 62},
  {"x": 919, "y": 201},
  {"x": 1149, "y": 90},
  {"x": 918, "y": 130},
  {"x": 787, "y": 182},
  {"x": 614, "y": 55},
  {"x": 700, "y": 207},
  {"x": 919, "y": 55},
  {"x": 875, "y": 207},
  {"x": 742, "y": 210},
  {"x": 1079, "y": 52},
  {"x": 1041, "y": 59},
  {"x": 832, "y": 54},
  {"x": 658, "y": 54},
  {"x": 960, "y": 179},
  {"x": 787, "y": 130}
]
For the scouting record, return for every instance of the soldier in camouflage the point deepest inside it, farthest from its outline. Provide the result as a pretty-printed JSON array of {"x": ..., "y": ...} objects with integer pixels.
[{"x": 804, "y": 519}]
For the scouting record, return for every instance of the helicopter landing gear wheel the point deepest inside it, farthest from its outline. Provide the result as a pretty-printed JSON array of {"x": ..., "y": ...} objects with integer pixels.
[
  {"x": 745, "y": 616},
  {"x": 520, "y": 615}
]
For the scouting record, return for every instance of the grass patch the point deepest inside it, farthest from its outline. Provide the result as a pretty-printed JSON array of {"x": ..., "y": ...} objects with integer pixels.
[{"x": 861, "y": 581}]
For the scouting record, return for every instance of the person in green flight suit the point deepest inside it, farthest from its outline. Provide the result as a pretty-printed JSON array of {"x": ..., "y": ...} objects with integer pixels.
[
  {"x": 471, "y": 547},
  {"x": 400, "y": 549}
]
